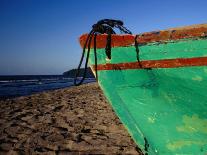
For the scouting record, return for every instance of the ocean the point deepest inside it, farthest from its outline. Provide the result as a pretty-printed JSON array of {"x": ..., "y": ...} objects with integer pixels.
[{"x": 22, "y": 85}]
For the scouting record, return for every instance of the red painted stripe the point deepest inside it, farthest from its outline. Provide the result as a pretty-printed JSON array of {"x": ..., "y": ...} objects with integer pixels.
[
  {"x": 158, "y": 36},
  {"x": 166, "y": 63}
]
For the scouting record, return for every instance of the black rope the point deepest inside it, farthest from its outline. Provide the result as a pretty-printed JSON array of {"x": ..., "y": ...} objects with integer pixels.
[
  {"x": 136, "y": 44},
  {"x": 108, "y": 46},
  {"x": 137, "y": 51},
  {"x": 88, "y": 40},
  {"x": 101, "y": 27},
  {"x": 95, "y": 57}
]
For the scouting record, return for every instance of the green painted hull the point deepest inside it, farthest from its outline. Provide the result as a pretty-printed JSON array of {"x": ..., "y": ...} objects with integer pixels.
[
  {"x": 166, "y": 106},
  {"x": 164, "y": 109}
]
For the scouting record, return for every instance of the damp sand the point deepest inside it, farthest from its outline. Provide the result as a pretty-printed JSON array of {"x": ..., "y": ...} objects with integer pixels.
[{"x": 75, "y": 120}]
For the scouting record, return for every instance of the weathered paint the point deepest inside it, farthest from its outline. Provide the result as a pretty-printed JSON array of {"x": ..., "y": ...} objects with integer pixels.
[
  {"x": 155, "y": 51},
  {"x": 167, "y": 63},
  {"x": 181, "y": 143},
  {"x": 157, "y": 36},
  {"x": 193, "y": 124},
  {"x": 165, "y": 107}
]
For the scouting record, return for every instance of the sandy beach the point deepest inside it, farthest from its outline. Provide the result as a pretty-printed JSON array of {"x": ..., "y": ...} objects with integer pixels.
[{"x": 75, "y": 120}]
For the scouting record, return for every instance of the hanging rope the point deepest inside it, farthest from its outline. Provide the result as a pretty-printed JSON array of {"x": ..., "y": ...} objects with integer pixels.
[
  {"x": 101, "y": 27},
  {"x": 95, "y": 57},
  {"x": 137, "y": 50},
  {"x": 88, "y": 41}
]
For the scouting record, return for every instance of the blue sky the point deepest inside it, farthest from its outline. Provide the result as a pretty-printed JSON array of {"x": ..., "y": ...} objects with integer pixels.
[{"x": 41, "y": 36}]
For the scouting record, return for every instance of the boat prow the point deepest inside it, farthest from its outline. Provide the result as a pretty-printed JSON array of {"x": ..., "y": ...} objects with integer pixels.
[{"x": 158, "y": 93}]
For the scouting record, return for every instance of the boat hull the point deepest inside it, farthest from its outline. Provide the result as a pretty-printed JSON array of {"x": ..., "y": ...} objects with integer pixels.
[{"x": 162, "y": 99}]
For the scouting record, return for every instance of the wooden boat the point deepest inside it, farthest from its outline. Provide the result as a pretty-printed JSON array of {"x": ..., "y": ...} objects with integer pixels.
[{"x": 161, "y": 99}]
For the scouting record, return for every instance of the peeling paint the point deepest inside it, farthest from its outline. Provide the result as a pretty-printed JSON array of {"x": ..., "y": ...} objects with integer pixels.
[
  {"x": 151, "y": 119},
  {"x": 181, "y": 143},
  {"x": 165, "y": 63},
  {"x": 197, "y": 78},
  {"x": 193, "y": 124},
  {"x": 149, "y": 37},
  {"x": 169, "y": 97},
  {"x": 205, "y": 70}
]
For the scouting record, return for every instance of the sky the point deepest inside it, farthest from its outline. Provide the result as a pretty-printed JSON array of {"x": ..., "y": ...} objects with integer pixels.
[{"x": 40, "y": 37}]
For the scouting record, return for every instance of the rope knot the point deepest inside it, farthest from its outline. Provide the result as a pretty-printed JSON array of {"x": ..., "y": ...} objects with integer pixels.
[{"x": 105, "y": 26}]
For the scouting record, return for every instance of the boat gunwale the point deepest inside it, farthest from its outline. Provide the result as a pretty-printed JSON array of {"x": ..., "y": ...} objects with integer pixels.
[{"x": 187, "y": 32}]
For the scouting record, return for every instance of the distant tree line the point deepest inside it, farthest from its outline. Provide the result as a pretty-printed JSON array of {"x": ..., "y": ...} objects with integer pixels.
[{"x": 71, "y": 73}]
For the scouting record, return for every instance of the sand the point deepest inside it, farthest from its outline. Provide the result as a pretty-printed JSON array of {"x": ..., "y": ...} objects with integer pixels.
[{"x": 75, "y": 120}]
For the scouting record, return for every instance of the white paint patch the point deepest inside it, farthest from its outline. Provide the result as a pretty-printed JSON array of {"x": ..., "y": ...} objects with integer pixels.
[
  {"x": 197, "y": 78},
  {"x": 205, "y": 70},
  {"x": 151, "y": 119}
]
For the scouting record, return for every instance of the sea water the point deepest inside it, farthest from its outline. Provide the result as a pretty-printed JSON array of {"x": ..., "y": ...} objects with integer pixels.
[{"x": 14, "y": 86}]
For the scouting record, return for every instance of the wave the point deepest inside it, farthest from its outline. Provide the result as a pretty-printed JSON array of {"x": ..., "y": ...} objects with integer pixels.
[
  {"x": 10, "y": 89},
  {"x": 35, "y": 80}
]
